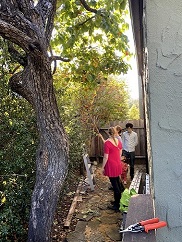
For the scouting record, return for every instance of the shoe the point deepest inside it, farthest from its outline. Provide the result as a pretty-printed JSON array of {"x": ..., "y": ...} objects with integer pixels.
[{"x": 114, "y": 208}]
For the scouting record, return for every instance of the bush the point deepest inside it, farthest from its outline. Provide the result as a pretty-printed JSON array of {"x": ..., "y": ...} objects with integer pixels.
[{"x": 17, "y": 150}]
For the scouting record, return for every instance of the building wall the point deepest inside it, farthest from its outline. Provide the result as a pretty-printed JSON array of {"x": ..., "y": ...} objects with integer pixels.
[{"x": 164, "y": 92}]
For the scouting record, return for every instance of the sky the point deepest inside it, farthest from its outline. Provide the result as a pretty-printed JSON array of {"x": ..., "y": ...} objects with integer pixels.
[{"x": 131, "y": 78}]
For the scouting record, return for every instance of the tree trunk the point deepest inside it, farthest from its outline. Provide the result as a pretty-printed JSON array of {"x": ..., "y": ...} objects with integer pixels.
[
  {"x": 51, "y": 159},
  {"x": 52, "y": 152}
]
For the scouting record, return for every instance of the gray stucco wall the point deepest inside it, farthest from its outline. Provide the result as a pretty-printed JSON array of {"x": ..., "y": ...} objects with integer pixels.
[{"x": 164, "y": 44}]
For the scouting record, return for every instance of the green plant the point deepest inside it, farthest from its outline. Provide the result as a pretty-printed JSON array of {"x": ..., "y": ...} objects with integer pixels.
[{"x": 17, "y": 176}]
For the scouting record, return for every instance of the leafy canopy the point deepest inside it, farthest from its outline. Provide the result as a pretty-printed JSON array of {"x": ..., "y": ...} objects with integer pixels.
[{"x": 92, "y": 36}]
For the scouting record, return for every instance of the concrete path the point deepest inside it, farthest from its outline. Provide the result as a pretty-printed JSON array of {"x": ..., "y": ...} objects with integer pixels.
[{"x": 96, "y": 223}]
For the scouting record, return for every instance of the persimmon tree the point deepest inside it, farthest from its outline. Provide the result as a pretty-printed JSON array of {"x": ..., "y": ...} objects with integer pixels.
[
  {"x": 89, "y": 106},
  {"x": 100, "y": 104},
  {"x": 108, "y": 101},
  {"x": 78, "y": 26}
]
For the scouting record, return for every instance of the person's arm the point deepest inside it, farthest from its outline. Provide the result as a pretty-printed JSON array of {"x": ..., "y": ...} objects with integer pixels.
[
  {"x": 121, "y": 153},
  {"x": 123, "y": 140},
  {"x": 100, "y": 135},
  {"x": 120, "y": 148},
  {"x": 136, "y": 139},
  {"x": 104, "y": 162}
]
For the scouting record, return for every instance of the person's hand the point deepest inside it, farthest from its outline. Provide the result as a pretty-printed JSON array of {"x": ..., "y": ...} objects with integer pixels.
[
  {"x": 123, "y": 158},
  {"x": 100, "y": 135}
]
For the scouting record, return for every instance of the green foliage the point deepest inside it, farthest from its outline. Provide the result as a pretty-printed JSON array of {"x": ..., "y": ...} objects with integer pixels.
[
  {"x": 15, "y": 210},
  {"x": 65, "y": 93},
  {"x": 17, "y": 151},
  {"x": 107, "y": 101},
  {"x": 18, "y": 142},
  {"x": 85, "y": 106},
  {"x": 134, "y": 112},
  {"x": 94, "y": 41}
]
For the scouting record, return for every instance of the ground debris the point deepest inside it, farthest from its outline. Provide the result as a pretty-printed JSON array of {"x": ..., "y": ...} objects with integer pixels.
[{"x": 92, "y": 221}]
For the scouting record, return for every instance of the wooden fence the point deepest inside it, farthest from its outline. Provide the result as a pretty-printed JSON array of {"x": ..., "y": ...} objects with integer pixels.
[{"x": 96, "y": 150}]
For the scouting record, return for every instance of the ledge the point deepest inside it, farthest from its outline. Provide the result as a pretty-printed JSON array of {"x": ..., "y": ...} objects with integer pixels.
[{"x": 140, "y": 208}]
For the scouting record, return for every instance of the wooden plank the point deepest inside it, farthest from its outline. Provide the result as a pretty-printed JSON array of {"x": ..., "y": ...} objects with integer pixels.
[
  {"x": 73, "y": 206},
  {"x": 136, "y": 181},
  {"x": 147, "y": 184},
  {"x": 89, "y": 175},
  {"x": 140, "y": 208}
]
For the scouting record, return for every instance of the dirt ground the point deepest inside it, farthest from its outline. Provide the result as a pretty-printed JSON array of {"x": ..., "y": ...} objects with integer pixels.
[
  {"x": 66, "y": 197},
  {"x": 92, "y": 220}
]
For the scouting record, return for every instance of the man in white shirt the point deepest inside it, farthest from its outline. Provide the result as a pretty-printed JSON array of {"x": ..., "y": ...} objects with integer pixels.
[{"x": 130, "y": 141}]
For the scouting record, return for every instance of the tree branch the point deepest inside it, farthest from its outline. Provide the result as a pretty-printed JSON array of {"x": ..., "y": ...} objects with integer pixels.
[
  {"x": 27, "y": 18},
  {"x": 47, "y": 10},
  {"x": 101, "y": 12},
  {"x": 18, "y": 37},
  {"x": 53, "y": 58},
  {"x": 7, "y": 6},
  {"x": 11, "y": 10},
  {"x": 44, "y": 8},
  {"x": 50, "y": 22},
  {"x": 85, "y": 5},
  {"x": 25, "y": 6},
  {"x": 15, "y": 69},
  {"x": 85, "y": 21}
]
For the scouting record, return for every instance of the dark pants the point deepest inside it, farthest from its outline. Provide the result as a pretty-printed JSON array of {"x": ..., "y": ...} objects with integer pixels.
[
  {"x": 131, "y": 156},
  {"x": 118, "y": 188}
]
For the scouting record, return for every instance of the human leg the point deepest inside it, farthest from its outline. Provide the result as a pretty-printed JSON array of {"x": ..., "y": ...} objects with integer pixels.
[
  {"x": 132, "y": 163},
  {"x": 117, "y": 188},
  {"x": 122, "y": 188},
  {"x": 126, "y": 154}
]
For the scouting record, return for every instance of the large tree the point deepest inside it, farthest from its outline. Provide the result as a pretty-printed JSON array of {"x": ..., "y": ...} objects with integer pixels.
[
  {"x": 27, "y": 25},
  {"x": 30, "y": 27}
]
